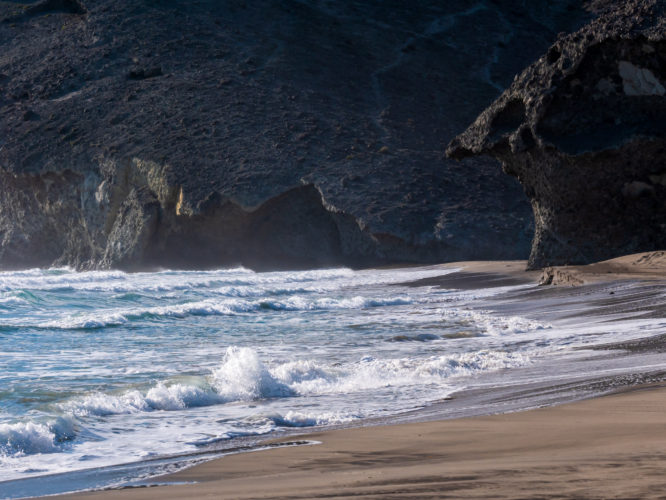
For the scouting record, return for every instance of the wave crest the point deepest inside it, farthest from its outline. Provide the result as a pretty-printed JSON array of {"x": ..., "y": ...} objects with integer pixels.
[
  {"x": 243, "y": 376},
  {"x": 28, "y": 438}
]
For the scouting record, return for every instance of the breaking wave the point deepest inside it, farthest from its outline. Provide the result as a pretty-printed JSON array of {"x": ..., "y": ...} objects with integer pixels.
[
  {"x": 29, "y": 438},
  {"x": 242, "y": 376},
  {"x": 224, "y": 281},
  {"x": 213, "y": 307}
]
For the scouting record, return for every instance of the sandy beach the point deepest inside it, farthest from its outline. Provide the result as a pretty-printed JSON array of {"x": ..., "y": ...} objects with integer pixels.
[
  {"x": 646, "y": 266},
  {"x": 608, "y": 447}
]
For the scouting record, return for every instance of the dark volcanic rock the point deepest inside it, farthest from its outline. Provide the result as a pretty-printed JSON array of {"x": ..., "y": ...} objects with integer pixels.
[
  {"x": 584, "y": 130},
  {"x": 275, "y": 133}
]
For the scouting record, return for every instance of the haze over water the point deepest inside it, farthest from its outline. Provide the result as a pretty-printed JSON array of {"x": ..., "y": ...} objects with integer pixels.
[{"x": 103, "y": 368}]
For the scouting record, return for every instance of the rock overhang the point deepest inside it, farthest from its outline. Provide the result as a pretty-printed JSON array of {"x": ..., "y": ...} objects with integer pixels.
[{"x": 583, "y": 131}]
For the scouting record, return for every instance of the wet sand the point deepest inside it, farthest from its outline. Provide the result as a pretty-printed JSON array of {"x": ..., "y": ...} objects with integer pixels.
[
  {"x": 482, "y": 274},
  {"x": 609, "y": 447}
]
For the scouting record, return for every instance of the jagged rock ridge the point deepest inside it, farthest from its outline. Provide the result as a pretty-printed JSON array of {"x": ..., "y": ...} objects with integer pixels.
[
  {"x": 583, "y": 130},
  {"x": 191, "y": 133}
]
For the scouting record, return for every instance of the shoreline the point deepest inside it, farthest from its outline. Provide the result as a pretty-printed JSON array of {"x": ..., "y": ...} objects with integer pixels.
[
  {"x": 608, "y": 447},
  {"x": 469, "y": 276}
]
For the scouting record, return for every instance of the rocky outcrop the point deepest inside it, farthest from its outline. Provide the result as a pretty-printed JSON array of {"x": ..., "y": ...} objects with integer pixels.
[
  {"x": 132, "y": 220},
  {"x": 583, "y": 130},
  {"x": 271, "y": 134}
]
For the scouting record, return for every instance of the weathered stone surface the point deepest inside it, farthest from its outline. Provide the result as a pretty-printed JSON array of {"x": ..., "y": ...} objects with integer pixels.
[
  {"x": 170, "y": 132},
  {"x": 584, "y": 131}
]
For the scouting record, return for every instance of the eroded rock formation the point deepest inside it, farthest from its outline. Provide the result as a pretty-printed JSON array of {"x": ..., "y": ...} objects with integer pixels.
[
  {"x": 271, "y": 134},
  {"x": 132, "y": 219},
  {"x": 584, "y": 131}
]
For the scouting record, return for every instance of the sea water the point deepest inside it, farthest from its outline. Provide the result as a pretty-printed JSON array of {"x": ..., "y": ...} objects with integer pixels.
[{"x": 105, "y": 368}]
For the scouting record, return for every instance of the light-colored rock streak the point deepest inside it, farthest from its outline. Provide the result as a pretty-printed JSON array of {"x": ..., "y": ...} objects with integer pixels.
[{"x": 639, "y": 81}]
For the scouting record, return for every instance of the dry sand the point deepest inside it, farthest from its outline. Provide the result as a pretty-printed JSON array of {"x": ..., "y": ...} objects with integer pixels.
[
  {"x": 477, "y": 274},
  {"x": 609, "y": 447},
  {"x": 641, "y": 266}
]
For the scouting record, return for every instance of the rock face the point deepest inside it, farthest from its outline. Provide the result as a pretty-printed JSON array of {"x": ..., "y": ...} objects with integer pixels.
[
  {"x": 584, "y": 131},
  {"x": 276, "y": 133}
]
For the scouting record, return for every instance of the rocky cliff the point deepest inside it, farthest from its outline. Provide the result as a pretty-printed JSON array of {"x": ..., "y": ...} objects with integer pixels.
[
  {"x": 274, "y": 133},
  {"x": 584, "y": 131}
]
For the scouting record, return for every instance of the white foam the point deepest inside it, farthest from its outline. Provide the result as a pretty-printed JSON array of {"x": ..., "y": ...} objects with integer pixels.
[
  {"x": 211, "y": 307},
  {"x": 118, "y": 281},
  {"x": 164, "y": 397},
  {"x": 492, "y": 324},
  {"x": 9, "y": 301},
  {"x": 312, "y": 419},
  {"x": 100, "y": 404},
  {"x": 27, "y": 438},
  {"x": 180, "y": 396},
  {"x": 372, "y": 373},
  {"x": 242, "y": 376},
  {"x": 236, "y": 281}
]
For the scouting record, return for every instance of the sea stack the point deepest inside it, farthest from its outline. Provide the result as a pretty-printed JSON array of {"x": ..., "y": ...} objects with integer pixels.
[{"x": 584, "y": 131}]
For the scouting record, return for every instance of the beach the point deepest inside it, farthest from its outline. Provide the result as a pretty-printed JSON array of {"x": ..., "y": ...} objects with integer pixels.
[
  {"x": 608, "y": 447},
  {"x": 480, "y": 384},
  {"x": 322, "y": 249}
]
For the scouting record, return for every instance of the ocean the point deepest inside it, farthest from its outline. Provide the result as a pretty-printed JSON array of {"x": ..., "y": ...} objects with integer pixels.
[{"x": 131, "y": 375}]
